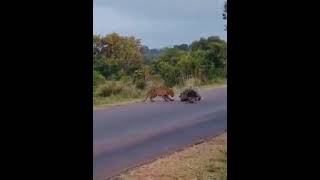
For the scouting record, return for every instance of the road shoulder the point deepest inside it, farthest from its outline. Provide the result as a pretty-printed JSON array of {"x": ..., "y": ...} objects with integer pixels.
[{"x": 202, "y": 161}]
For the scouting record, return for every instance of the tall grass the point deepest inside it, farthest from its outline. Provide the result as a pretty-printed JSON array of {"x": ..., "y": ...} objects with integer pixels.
[{"x": 115, "y": 91}]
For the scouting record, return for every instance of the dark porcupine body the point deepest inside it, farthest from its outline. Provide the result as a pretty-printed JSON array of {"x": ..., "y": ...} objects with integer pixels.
[{"x": 190, "y": 95}]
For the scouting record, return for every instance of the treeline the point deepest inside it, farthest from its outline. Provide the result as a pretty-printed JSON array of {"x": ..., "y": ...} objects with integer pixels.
[{"x": 124, "y": 59}]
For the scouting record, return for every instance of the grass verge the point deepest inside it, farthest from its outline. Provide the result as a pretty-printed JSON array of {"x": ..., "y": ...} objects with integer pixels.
[{"x": 205, "y": 161}]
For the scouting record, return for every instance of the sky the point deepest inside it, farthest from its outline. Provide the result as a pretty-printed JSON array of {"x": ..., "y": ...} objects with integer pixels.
[{"x": 160, "y": 23}]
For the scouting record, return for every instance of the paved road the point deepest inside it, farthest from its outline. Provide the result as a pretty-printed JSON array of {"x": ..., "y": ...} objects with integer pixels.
[{"x": 125, "y": 136}]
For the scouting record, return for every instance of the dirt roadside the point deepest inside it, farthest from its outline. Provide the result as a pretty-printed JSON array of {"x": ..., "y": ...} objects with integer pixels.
[{"x": 204, "y": 161}]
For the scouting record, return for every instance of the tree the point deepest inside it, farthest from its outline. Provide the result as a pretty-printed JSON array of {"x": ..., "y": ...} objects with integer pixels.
[
  {"x": 125, "y": 58},
  {"x": 144, "y": 49},
  {"x": 115, "y": 54},
  {"x": 143, "y": 73},
  {"x": 201, "y": 44},
  {"x": 224, "y": 14},
  {"x": 97, "y": 79},
  {"x": 218, "y": 54},
  {"x": 170, "y": 74},
  {"x": 106, "y": 67},
  {"x": 183, "y": 47},
  {"x": 171, "y": 56},
  {"x": 205, "y": 43}
]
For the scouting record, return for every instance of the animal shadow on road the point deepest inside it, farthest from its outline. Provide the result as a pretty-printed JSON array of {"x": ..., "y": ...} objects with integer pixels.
[{"x": 176, "y": 101}]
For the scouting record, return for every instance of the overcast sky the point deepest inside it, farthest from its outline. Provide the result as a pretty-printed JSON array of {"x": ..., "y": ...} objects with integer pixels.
[{"x": 160, "y": 23}]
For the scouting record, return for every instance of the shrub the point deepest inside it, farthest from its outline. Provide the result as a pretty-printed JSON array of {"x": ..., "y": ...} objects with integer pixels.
[
  {"x": 130, "y": 92},
  {"x": 109, "y": 88},
  {"x": 140, "y": 84},
  {"x": 97, "y": 79},
  {"x": 126, "y": 79}
]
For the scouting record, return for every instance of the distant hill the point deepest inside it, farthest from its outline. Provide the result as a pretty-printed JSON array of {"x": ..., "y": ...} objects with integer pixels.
[{"x": 152, "y": 54}]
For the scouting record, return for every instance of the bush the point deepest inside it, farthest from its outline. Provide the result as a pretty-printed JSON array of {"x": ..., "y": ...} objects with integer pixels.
[
  {"x": 109, "y": 88},
  {"x": 140, "y": 84},
  {"x": 130, "y": 92},
  {"x": 155, "y": 80},
  {"x": 126, "y": 79},
  {"x": 170, "y": 74},
  {"x": 192, "y": 82},
  {"x": 117, "y": 89},
  {"x": 97, "y": 79}
]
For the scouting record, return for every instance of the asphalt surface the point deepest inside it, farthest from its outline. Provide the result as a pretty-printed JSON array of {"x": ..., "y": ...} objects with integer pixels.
[{"x": 128, "y": 135}]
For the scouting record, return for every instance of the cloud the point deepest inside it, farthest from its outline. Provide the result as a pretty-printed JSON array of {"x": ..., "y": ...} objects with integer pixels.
[
  {"x": 162, "y": 22},
  {"x": 164, "y": 9}
]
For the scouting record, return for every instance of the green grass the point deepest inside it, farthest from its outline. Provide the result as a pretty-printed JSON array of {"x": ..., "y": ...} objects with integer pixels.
[
  {"x": 213, "y": 168},
  {"x": 114, "y": 100},
  {"x": 218, "y": 83},
  {"x": 222, "y": 171}
]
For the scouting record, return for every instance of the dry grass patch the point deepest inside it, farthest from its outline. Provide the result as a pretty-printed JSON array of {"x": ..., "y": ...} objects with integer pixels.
[{"x": 205, "y": 161}]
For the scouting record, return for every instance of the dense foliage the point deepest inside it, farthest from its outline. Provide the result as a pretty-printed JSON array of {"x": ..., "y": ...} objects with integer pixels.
[{"x": 120, "y": 58}]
